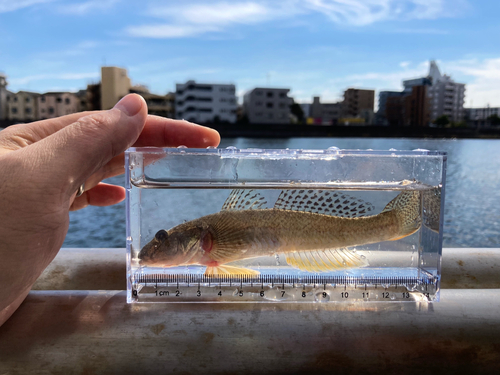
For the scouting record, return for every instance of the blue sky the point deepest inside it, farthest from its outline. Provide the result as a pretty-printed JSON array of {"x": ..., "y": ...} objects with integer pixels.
[{"x": 314, "y": 47}]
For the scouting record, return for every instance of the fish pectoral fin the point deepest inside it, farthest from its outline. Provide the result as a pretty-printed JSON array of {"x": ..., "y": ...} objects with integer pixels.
[
  {"x": 230, "y": 271},
  {"x": 325, "y": 260}
]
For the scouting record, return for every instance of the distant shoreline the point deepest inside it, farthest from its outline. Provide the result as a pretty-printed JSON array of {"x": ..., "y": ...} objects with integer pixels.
[{"x": 371, "y": 131}]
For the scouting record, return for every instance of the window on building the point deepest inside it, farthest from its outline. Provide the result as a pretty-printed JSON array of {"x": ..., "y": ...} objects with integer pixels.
[
  {"x": 222, "y": 99},
  {"x": 282, "y": 94},
  {"x": 67, "y": 101},
  {"x": 269, "y": 105},
  {"x": 270, "y": 94},
  {"x": 51, "y": 110},
  {"x": 27, "y": 99},
  {"x": 42, "y": 99},
  {"x": 13, "y": 110},
  {"x": 43, "y": 110},
  {"x": 15, "y": 98},
  {"x": 282, "y": 105},
  {"x": 59, "y": 99},
  {"x": 27, "y": 111},
  {"x": 259, "y": 93},
  {"x": 8, "y": 98},
  {"x": 258, "y": 103},
  {"x": 201, "y": 88}
]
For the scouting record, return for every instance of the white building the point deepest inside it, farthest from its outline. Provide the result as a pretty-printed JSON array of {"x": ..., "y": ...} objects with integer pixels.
[
  {"x": 325, "y": 113},
  {"x": 267, "y": 106},
  {"x": 55, "y": 104},
  {"x": 481, "y": 113},
  {"x": 3, "y": 97},
  {"x": 22, "y": 106},
  {"x": 205, "y": 103},
  {"x": 446, "y": 97}
]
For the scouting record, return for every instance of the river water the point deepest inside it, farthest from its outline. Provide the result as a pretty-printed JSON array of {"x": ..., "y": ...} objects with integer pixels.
[{"x": 472, "y": 201}]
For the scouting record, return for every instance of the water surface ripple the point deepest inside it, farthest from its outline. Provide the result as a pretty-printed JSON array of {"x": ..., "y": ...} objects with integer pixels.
[{"x": 472, "y": 212}]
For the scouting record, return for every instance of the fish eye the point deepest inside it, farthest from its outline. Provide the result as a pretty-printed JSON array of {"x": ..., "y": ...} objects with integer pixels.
[{"x": 161, "y": 235}]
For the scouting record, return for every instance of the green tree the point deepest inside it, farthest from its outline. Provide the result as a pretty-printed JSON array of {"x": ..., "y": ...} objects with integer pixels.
[
  {"x": 494, "y": 120},
  {"x": 296, "y": 110},
  {"x": 442, "y": 121}
]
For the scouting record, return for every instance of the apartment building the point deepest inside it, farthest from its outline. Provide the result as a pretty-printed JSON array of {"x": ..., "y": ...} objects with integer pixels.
[
  {"x": 417, "y": 107},
  {"x": 205, "y": 102},
  {"x": 325, "y": 113},
  {"x": 481, "y": 113},
  {"x": 267, "y": 106},
  {"x": 356, "y": 100},
  {"x": 115, "y": 84},
  {"x": 22, "y": 106},
  {"x": 383, "y": 96},
  {"x": 408, "y": 109},
  {"x": 446, "y": 97},
  {"x": 3, "y": 97},
  {"x": 481, "y": 117},
  {"x": 55, "y": 104},
  {"x": 160, "y": 105}
]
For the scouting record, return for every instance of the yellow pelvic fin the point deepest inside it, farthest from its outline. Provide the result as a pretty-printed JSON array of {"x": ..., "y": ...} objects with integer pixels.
[
  {"x": 224, "y": 270},
  {"x": 326, "y": 260}
]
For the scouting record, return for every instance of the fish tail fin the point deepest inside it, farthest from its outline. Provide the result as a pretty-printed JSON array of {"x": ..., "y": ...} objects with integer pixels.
[{"x": 407, "y": 207}]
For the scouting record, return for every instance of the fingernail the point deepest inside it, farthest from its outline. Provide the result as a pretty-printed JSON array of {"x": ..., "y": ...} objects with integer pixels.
[{"x": 130, "y": 105}]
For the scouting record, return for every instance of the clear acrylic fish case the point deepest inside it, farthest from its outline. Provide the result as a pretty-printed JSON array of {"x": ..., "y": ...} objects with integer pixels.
[{"x": 200, "y": 221}]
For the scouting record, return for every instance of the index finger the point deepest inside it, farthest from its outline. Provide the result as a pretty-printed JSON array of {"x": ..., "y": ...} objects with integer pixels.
[{"x": 165, "y": 132}]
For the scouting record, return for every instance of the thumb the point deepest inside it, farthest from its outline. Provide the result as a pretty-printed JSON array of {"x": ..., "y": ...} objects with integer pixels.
[{"x": 77, "y": 151}]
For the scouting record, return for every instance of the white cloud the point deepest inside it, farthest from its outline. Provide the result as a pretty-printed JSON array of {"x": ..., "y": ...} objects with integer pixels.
[
  {"x": 352, "y": 12},
  {"x": 199, "y": 18},
  {"x": 189, "y": 19},
  {"x": 366, "y": 12},
  {"x": 383, "y": 80},
  {"x": 404, "y": 64},
  {"x": 83, "y": 8},
  {"x": 483, "y": 84},
  {"x": 482, "y": 79},
  {"x": 12, "y": 5},
  {"x": 19, "y": 81},
  {"x": 218, "y": 13},
  {"x": 169, "y": 31}
]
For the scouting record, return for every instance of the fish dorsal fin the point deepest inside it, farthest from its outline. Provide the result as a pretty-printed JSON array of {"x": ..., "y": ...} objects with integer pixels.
[
  {"x": 325, "y": 260},
  {"x": 324, "y": 202},
  {"x": 244, "y": 199}
]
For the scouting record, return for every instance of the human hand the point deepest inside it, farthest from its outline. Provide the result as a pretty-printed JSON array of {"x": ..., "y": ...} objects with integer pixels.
[{"x": 42, "y": 165}]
